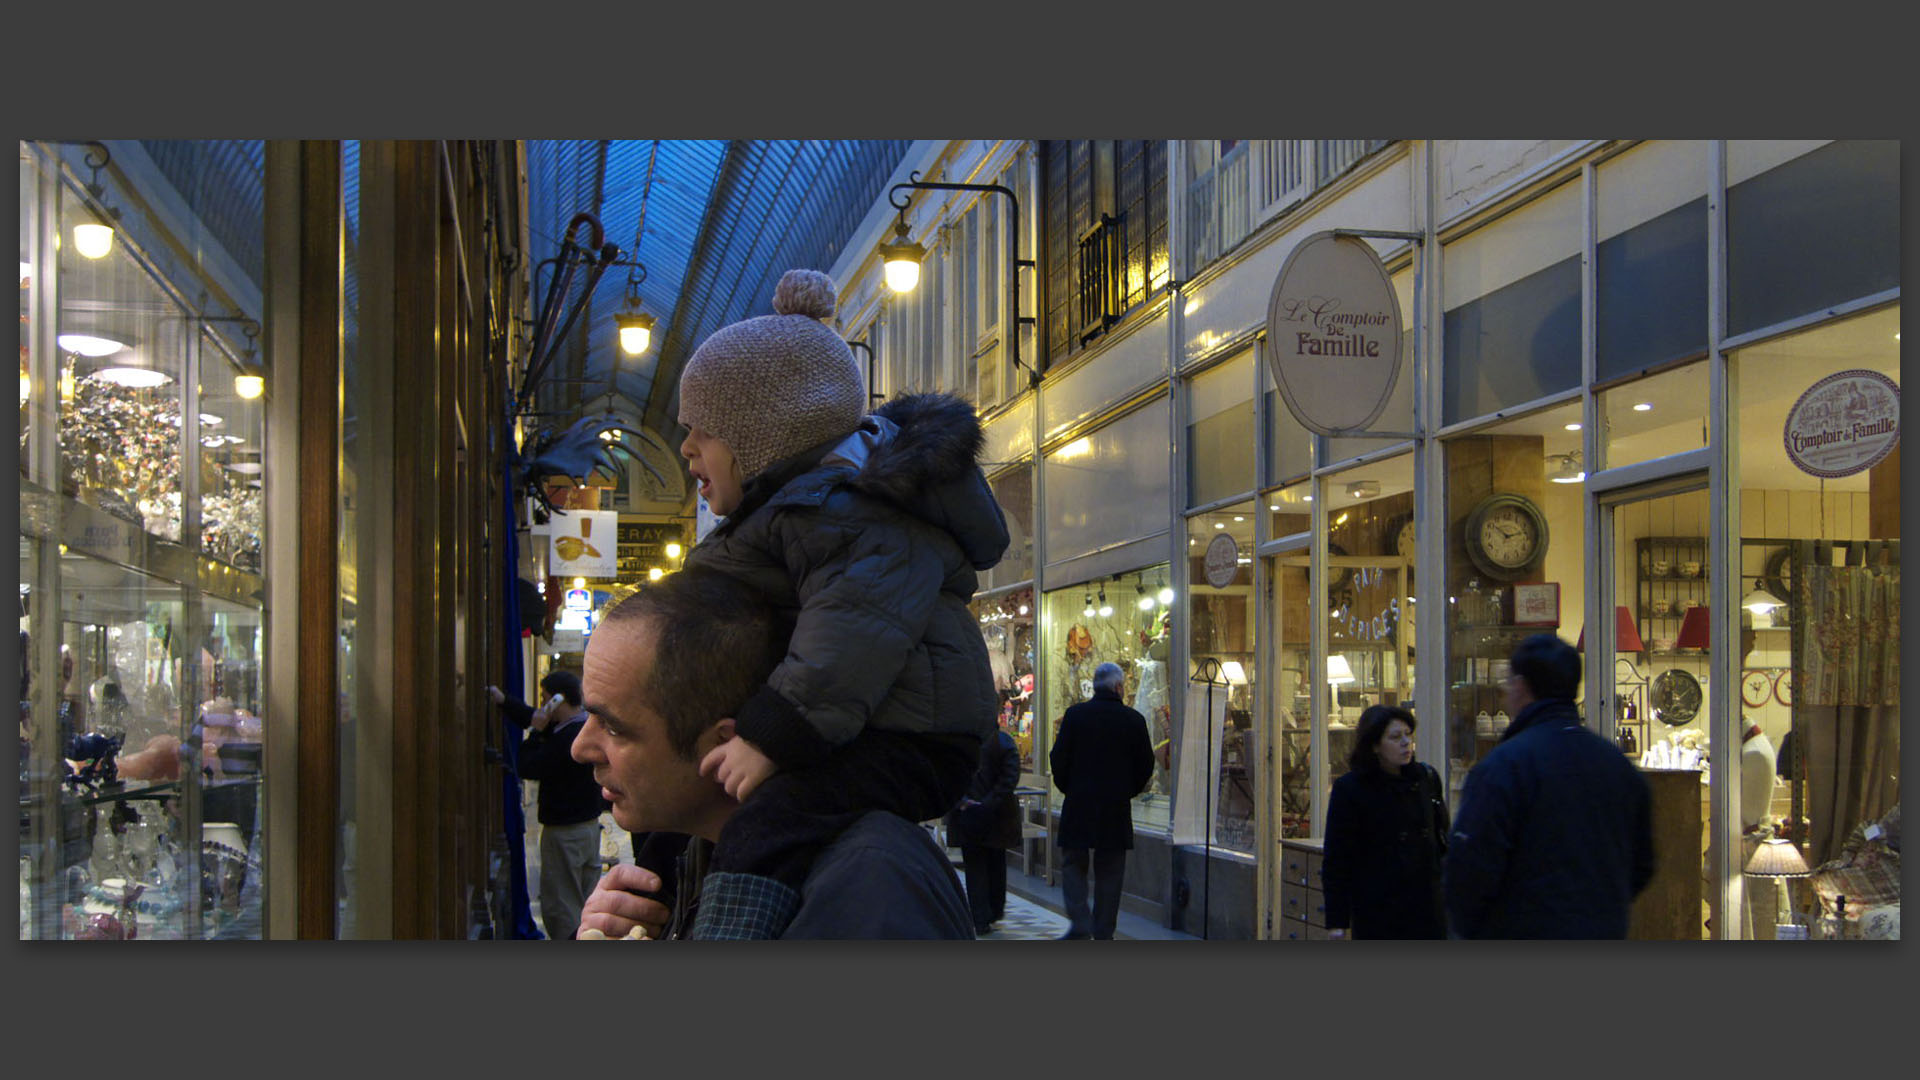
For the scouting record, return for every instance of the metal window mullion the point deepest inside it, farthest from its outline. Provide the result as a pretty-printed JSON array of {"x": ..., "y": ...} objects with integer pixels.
[
  {"x": 1723, "y": 508},
  {"x": 42, "y": 844},
  {"x": 1430, "y": 480},
  {"x": 1597, "y": 588},
  {"x": 1317, "y": 665}
]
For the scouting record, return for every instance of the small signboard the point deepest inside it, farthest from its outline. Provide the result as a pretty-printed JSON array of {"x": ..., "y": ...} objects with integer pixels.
[
  {"x": 1333, "y": 334},
  {"x": 1223, "y": 561},
  {"x": 1844, "y": 424},
  {"x": 585, "y": 544}
]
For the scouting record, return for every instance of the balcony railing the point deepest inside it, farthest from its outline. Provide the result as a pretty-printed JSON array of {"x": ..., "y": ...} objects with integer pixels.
[
  {"x": 1103, "y": 277},
  {"x": 1259, "y": 179}
]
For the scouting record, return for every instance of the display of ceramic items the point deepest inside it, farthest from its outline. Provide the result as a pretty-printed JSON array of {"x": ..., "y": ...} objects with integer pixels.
[
  {"x": 1661, "y": 567},
  {"x": 1689, "y": 569},
  {"x": 1483, "y": 724},
  {"x": 1500, "y": 722},
  {"x": 1663, "y": 644},
  {"x": 1662, "y": 606}
]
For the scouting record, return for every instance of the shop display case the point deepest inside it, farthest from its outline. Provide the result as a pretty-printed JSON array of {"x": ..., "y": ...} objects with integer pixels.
[{"x": 141, "y": 597}]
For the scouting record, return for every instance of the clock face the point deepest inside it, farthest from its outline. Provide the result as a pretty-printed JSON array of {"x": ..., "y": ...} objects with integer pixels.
[
  {"x": 1755, "y": 688},
  {"x": 1505, "y": 535},
  {"x": 1509, "y": 536},
  {"x": 1783, "y": 689},
  {"x": 1676, "y": 697},
  {"x": 1404, "y": 543}
]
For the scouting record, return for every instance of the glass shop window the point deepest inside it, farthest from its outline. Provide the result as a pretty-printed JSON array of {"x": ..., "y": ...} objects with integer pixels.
[
  {"x": 1007, "y": 620},
  {"x": 1220, "y": 431},
  {"x": 1651, "y": 257},
  {"x": 1809, "y": 225},
  {"x": 1013, "y": 490},
  {"x": 1819, "y": 626},
  {"x": 1109, "y": 619},
  {"x": 1514, "y": 515},
  {"x": 1654, "y": 417},
  {"x": 1511, "y": 300},
  {"x": 1222, "y": 657},
  {"x": 141, "y": 623},
  {"x": 1370, "y": 596}
]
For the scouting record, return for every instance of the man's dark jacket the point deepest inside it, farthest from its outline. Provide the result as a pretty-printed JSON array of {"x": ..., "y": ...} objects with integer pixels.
[
  {"x": 569, "y": 794},
  {"x": 1554, "y": 837},
  {"x": 1101, "y": 759},
  {"x": 995, "y": 820}
]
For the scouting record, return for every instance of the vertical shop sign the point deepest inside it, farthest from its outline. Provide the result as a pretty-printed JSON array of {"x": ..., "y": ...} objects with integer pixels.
[
  {"x": 584, "y": 544},
  {"x": 1844, "y": 424},
  {"x": 1333, "y": 334}
]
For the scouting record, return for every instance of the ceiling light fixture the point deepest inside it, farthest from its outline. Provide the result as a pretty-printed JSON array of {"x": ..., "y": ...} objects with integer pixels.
[
  {"x": 1573, "y": 427},
  {"x": 88, "y": 345},
  {"x": 1645, "y": 406},
  {"x": 1363, "y": 489},
  {"x": 1565, "y": 468},
  {"x": 1166, "y": 597},
  {"x": 137, "y": 378}
]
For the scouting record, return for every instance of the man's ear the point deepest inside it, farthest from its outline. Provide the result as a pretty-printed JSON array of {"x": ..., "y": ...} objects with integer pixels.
[{"x": 721, "y": 732}]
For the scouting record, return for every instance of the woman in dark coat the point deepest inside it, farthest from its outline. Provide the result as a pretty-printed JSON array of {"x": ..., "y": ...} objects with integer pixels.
[
  {"x": 1386, "y": 833},
  {"x": 984, "y": 825}
]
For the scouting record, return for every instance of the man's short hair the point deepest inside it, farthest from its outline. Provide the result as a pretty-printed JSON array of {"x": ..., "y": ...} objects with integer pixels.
[
  {"x": 1109, "y": 677},
  {"x": 716, "y": 641},
  {"x": 1551, "y": 667},
  {"x": 563, "y": 682}
]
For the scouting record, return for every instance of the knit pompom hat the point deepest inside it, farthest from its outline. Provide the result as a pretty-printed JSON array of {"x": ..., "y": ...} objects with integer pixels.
[{"x": 772, "y": 386}]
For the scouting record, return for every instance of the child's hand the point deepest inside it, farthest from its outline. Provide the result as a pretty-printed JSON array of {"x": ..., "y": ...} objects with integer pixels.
[{"x": 739, "y": 766}]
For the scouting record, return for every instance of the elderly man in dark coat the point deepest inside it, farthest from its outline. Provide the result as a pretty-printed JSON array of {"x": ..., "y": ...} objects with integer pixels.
[
  {"x": 1101, "y": 759},
  {"x": 984, "y": 825}
]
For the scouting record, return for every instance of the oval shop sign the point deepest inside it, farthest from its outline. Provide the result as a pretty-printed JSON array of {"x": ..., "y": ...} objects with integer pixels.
[
  {"x": 1333, "y": 334},
  {"x": 1844, "y": 424}
]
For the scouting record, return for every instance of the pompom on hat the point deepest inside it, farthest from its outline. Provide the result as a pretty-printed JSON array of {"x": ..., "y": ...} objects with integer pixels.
[{"x": 772, "y": 386}]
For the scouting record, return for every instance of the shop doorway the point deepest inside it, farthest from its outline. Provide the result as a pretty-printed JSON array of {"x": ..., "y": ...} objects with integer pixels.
[{"x": 1655, "y": 700}]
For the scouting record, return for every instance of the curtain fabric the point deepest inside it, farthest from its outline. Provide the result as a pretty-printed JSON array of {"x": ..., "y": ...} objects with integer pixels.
[{"x": 1846, "y": 687}]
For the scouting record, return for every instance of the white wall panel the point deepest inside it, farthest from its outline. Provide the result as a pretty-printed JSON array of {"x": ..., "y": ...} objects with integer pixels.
[
  {"x": 1009, "y": 435},
  {"x": 1117, "y": 372},
  {"x": 1475, "y": 171}
]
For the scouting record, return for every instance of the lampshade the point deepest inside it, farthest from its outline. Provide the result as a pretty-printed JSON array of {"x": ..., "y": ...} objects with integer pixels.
[
  {"x": 1693, "y": 629},
  {"x": 1338, "y": 670},
  {"x": 1626, "y": 636},
  {"x": 1233, "y": 672},
  {"x": 1777, "y": 857},
  {"x": 1760, "y": 601}
]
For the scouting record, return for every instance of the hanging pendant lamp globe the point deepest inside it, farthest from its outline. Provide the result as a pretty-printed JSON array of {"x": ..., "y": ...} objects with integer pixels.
[
  {"x": 636, "y": 331},
  {"x": 902, "y": 260}
]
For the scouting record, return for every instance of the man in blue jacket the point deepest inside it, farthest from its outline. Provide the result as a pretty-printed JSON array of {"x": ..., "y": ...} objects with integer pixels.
[{"x": 1554, "y": 837}]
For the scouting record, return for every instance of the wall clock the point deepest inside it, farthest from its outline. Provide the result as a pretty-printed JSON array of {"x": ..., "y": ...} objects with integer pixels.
[
  {"x": 1404, "y": 540},
  {"x": 1506, "y": 534},
  {"x": 1783, "y": 687},
  {"x": 1675, "y": 697},
  {"x": 1755, "y": 688}
]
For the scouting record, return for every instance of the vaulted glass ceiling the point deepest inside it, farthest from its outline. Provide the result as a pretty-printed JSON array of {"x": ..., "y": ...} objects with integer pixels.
[{"x": 723, "y": 220}]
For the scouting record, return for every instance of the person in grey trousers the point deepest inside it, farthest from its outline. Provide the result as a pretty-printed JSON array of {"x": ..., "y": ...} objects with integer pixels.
[{"x": 1101, "y": 760}]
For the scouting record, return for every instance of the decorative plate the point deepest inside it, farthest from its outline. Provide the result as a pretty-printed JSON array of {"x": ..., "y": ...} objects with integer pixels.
[
  {"x": 1774, "y": 578},
  {"x": 1675, "y": 697},
  {"x": 1783, "y": 687},
  {"x": 1755, "y": 688}
]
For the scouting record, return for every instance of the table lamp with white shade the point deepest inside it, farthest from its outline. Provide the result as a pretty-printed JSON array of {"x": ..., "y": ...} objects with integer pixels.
[{"x": 1777, "y": 858}]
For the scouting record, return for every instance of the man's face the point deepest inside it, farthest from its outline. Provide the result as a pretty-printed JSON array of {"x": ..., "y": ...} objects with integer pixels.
[
  {"x": 625, "y": 740},
  {"x": 1517, "y": 695}
]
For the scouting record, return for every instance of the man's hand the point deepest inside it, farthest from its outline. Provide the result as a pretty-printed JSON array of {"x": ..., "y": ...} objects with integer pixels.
[
  {"x": 541, "y": 719},
  {"x": 738, "y": 765},
  {"x": 498, "y": 698},
  {"x": 615, "y": 907}
]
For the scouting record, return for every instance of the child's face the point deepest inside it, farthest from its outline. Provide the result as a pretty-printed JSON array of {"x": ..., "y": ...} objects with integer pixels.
[{"x": 713, "y": 468}]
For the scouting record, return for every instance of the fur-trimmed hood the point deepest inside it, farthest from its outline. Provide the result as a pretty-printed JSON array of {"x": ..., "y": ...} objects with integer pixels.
[{"x": 928, "y": 465}]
